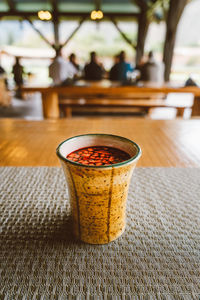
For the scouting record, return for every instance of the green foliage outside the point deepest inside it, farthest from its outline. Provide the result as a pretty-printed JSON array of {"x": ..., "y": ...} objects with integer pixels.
[{"x": 98, "y": 43}]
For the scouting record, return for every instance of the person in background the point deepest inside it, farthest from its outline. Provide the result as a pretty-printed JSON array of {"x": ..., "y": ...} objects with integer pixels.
[
  {"x": 60, "y": 70},
  {"x": 152, "y": 71},
  {"x": 18, "y": 72},
  {"x": 190, "y": 82},
  {"x": 120, "y": 69},
  {"x": 113, "y": 74},
  {"x": 2, "y": 71},
  {"x": 72, "y": 59},
  {"x": 93, "y": 70}
]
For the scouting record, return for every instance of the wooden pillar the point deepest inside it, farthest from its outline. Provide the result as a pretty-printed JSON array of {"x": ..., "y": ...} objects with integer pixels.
[
  {"x": 175, "y": 11},
  {"x": 55, "y": 21},
  {"x": 50, "y": 105},
  {"x": 56, "y": 33},
  {"x": 68, "y": 111},
  {"x": 196, "y": 107},
  {"x": 180, "y": 112},
  {"x": 143, "y": 25}
]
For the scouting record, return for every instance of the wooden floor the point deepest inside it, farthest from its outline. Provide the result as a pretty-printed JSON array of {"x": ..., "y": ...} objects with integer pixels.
[
  {"x": 169, "y": 143},
  {"x": 30, "y": 109}
]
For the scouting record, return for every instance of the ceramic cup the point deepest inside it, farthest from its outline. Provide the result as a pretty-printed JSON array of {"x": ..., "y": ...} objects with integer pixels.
[{"x": 98, "y": 194}]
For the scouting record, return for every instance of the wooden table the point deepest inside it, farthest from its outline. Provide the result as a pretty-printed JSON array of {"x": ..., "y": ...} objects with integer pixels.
[
  {"x": 50, "y": 95},
  {"x": 173, "y": 143}
]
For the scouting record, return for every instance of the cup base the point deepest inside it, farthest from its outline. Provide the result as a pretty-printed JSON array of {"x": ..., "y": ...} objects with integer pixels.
[{"x": 106, "y": 242}]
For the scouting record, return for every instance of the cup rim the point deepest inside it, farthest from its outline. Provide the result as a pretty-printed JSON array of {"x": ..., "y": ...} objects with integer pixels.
[{"x": 134, "y": 158}]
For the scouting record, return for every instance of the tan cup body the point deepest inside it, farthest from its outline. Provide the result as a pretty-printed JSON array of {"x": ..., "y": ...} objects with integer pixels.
[{"x": 98, "y": 200}]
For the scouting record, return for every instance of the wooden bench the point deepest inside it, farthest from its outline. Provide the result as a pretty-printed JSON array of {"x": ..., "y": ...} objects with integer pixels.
[
  {"x": 73, "y": 95},
  {"x": 181, "y": 102}
]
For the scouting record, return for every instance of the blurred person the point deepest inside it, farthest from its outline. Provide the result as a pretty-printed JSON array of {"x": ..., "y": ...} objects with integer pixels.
[
  {"x": 61, "y": 70},
  {"x": 72, "y": 59},
  {"x": 18, "y": 72},
  {"x": 152, "y": 71},
  {"x": 113, "y": 70},
  {"x": 190, "y": 82},
  {"x": 93, "y": 70},
  {"x": 121, "y": 68}
]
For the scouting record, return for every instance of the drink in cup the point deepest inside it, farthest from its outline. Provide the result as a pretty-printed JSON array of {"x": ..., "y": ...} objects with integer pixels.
[{"x": 98, "y": 169}]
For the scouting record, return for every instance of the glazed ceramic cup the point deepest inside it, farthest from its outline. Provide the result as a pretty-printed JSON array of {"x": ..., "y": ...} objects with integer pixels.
[{"x": 98, "y": 194}]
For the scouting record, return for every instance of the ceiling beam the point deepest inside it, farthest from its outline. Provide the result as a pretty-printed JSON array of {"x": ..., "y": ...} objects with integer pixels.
[
  {"x": 73, "y": 33},
  {"x": 40, "y": 33},
  {"x": 66, "y": 14},
  {"x": 123, "y": 34}
]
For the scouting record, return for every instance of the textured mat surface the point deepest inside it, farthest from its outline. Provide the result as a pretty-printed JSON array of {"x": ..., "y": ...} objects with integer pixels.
[{"x": 158, "y": 256}]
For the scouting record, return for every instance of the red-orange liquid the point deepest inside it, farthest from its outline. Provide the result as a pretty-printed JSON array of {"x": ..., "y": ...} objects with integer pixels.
[{"x": 98, "y": 156}]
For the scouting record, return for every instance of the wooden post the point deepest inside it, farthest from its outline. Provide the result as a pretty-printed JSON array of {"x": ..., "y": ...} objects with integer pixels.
[
  {"x": 175, "y": 11},
  {"x": 143, "y": 25},
  {"x": 55, "y": 21},
  {"x": 68, "y": 112},
  {"x": 56, "y": 33},
  {"x": 11, "y": 4},
  {"x": 50, "y": 105},
  {"x": 196, "y": 107},
  {"x": 180, "y": 112},
  {"x": 97, "y": 4}
]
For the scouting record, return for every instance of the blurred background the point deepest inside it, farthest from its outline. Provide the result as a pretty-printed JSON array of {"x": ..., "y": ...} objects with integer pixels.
[
  {"x": 19, "y": 38},
  {"x": 34, "y": 34}
]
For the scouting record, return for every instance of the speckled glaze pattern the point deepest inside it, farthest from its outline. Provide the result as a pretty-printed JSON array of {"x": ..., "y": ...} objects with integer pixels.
[
  {"x": 98, "y": 194},
  {"x": 98, "y": 200}
]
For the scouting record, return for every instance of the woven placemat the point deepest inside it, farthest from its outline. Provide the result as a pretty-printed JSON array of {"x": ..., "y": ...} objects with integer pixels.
[{"x": 156, "y": 258}]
